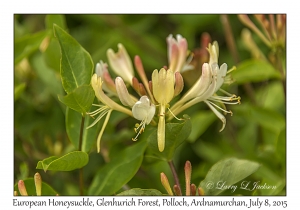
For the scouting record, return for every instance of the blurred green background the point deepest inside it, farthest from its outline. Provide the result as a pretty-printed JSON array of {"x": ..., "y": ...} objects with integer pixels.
[{"x": 256, "y": 131}]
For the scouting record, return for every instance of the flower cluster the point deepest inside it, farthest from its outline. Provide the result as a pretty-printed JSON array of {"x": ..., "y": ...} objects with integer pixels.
[{"x": 154, "y": 96}]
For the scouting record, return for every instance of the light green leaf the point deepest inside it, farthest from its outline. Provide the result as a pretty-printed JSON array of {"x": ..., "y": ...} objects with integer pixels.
[
  {"x": 76, "y": 63},
  {"x": 80, "y": 99},
  {"x": 47, "y": 190},
  {"x": 176, "y": 133},
  {"x": 200, "y": 122},
  {"x": 254, "y": 71},
  {"x": 73, "y": 123},
  {"x": 227, "y": 172},
  {"x": 68, "y": 162},
  {"x": 26, "y": 45},
  {"x": 141, "y": 192},
  {"x": 109, "y": 179}
]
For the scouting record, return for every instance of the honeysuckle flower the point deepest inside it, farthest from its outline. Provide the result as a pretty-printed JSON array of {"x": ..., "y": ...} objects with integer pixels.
[
  {"x": 108, "y": 106},
  {"x": 143, "y": 110},
  {"x": 163, "y": 90},
  {"x": 102, "y": 71},
  {"x": 206, "y": 87},
  {"x": 121, "y": 63},
  {"x": 177, "y": 53},
  {"x": 125, "y": 98}
]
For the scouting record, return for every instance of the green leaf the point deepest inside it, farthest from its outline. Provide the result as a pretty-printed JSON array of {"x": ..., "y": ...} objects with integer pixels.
[
  {"x": 73, "y": 124},
  {"x": 19, "y": 89},
  {"x": 46, "y": 74},
  {"x": 55, "y": 19},
  {"x": 200, "y": 122},
  {"x": 281, "y": 148},
  {"x": 141, "y": 192},
  {"x": 227, "y": 172},
  {"x": 267, "y": 118},
  {"x": 80, "y": 99},
  {"x": 68, "y": 162},
  {"x": 76, "y": 63},
  {"x": 176, "y": 133},
  {"x": 47, "y": 190},
  {"x": 26, "y": 45},
  {"x": 109, "y": 179},
  {"x": 254, "y": 71}
]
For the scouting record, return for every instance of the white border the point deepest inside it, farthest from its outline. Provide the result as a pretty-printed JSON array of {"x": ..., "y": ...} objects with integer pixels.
[{"x": 155, "y": 6}]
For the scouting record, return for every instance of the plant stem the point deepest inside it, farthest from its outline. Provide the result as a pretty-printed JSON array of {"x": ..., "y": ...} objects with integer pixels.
[
  {"x": 233, "y": 50},
  {"x": 81, "y": 183},
  {"x": 81, "y": 133},
  {"x": 175, "y": 176}
]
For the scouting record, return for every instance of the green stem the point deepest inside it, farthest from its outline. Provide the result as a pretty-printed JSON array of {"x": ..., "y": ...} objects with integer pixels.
[
  {"x": 81, "y": 183},
  {"x": 175, "y": 176}
]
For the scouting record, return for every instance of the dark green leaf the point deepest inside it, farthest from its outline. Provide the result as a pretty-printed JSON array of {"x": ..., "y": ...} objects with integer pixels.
[
  {"x": 267, "y": 118},
  {"x": 80, "y": 99},
  {"x": 19, "y": 89},
  {"x": 109, "y": 179},
  {"x": 68, "y": 162},
  {"x": 26, "y": 45},
  {"x": 254, "y": 71},
  {"x": 227, "y": 172},
  {"x": 200, "y": 122},
  {"x": 176, "y": 133},
  {"x": 76, "y": 63},
  {"x": 73, "y": 123},
  {"x": 30, "y": 188},
  {"x": 141, "y": 192}
]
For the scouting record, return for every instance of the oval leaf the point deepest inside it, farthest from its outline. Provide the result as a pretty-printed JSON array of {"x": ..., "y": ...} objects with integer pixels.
[
  {"x": 254, "y": 71},
  {"x": 141, "y": 192},
  {"x": 227, "y": 172},
  {"x": 47, "y": 190},
  {"x": 80, "y": 99},
  {"x": 76, "y": 63},
  {"x": 176, "y": 133},
  {"x": 68, "y": 162},
  {"x": 119, "y": 171}
]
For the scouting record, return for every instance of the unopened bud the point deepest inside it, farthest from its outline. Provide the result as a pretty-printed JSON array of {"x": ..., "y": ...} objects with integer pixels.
[
  {"x": 123, "y": 94},
  {"x": 38, "y": 183},
  {"x": 179, "y": 84},
  {"x": 142, "y": 90},
  {"x": 165, "y": 182},
  {"x": 135, "y": 84},
  {"x": 22, "y": 188},
  {"x": 193, "y": 189},
  {"x": 177, "y": 190},
  {"x": 188, "y": 173},
  {"x": 15, "y": 193},
  {"x": 200, "y": 191},
  {"x": 108, "y": 81}
]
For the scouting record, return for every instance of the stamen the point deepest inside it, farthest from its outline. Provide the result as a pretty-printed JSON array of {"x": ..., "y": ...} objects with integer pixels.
[
  {"x": 230, "y": 70},
  {"x": 103, "y": 111},
  {"x": 174, "y": 114},
  {"x": 139, "y": 128},
  {"x": 230, "y": 112}
]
